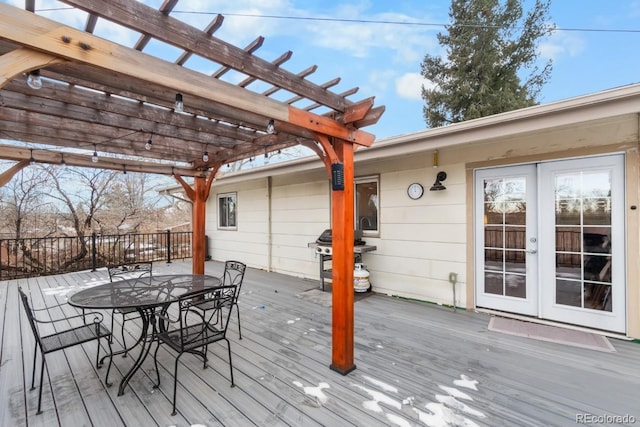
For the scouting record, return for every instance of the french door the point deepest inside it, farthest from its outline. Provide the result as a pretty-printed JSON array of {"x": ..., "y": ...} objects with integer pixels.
[{"x": 550, "y": 241}]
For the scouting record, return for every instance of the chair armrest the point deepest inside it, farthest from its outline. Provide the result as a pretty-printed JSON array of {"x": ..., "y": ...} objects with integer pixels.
[
  {"x": 97, "y": 317},
  {"x": 49, "y": 307}
]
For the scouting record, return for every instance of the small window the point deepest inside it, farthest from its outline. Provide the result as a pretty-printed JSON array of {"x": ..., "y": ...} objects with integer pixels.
[
  {"x": 367, "y": 204},
  {"x": 227, "y": 211}
]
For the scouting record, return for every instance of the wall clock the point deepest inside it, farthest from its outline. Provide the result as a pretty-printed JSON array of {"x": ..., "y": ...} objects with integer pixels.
[{"x": 415, "y": 191}]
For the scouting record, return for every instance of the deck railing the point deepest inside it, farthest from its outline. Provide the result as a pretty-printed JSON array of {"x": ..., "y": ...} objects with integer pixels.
[{"x": 31, "y": 257}]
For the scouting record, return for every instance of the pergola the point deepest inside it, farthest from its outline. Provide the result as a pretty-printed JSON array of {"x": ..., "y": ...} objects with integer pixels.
[{"x": 116, "y": 100}]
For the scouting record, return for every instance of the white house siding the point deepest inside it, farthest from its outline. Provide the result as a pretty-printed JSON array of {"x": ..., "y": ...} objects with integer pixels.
[
  {"x": 249, "y": 243},
  {"x": 300, "y": 212}
]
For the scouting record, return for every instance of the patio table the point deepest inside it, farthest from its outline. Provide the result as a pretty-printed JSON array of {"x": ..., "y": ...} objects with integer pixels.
[{"x": 145, "y": 294}]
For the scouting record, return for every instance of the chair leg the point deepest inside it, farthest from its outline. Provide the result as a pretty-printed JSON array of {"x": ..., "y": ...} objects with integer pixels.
[
  {"x": 155, "y": 362},
  {"x": 33, "y": 372},
  {"x": 124, "y": 342},
  {"x": 106, "y": 377},
  {"x": 40, "y": 392},
  {"x": 113, "y": 315},
  {"x": 175, "y": 385},
  {"x": 230, "y": 362},
  {"x": 238, "y": 313}
]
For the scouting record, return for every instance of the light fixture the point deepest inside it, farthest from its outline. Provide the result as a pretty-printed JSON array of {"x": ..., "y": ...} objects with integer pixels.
[
  {"x": 147, "y": 146},
  {"x": 271, "y": 127},
  {"x": 178, "y": 107},
  {"x": 124, "y": 169},
  {"x": 33, "y": 80},
  {"x": 32, "y": 161},
  {"x": 94, "y": 158},
  {"x": 205, "y": 156},
  {"x": 435, "y": 159},
  {"x": 63, "y": 162},
  {"x": 437, "y": 186}
]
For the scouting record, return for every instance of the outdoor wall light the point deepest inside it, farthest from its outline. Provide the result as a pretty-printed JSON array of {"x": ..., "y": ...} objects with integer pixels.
[
  {"x": 33, "y": 80},
  {"x": 178, "y": 107},
  {"x": 437, "y": 186},
  {"x": 32, "y": 161},
  {"x": 94, "y": 158},
  {"x": 271, "y": 127},
  {"x": 205, "y": 156}
]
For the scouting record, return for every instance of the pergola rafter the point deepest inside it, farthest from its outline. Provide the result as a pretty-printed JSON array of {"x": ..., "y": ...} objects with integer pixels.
[{"x": 101, "y": 95}]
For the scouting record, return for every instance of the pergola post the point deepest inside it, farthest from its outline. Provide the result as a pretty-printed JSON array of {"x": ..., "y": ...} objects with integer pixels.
[
  {"x": 199, "y": 216},
  {"x": 198, "y": 196},
  {"x": 342, "y": 264}
]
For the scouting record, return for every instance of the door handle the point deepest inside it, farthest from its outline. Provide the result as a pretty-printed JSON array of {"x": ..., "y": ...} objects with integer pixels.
[{"x": 532, "y": 251}]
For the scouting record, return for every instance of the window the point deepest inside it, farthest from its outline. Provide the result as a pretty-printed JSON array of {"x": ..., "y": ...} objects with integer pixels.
[
  {"x": 227, "y": 204},
  {"x": 367, "y": 204}
]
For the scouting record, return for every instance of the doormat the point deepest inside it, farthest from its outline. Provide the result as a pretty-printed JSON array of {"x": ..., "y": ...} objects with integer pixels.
[{"x": 541, "y": 332}]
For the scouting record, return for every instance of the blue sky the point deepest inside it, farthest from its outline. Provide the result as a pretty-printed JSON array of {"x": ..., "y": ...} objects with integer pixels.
[{"x": 383, "y": 59}]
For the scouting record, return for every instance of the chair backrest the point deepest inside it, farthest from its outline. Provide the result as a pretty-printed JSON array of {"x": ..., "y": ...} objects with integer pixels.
[
  {"x": 234, "y": 274},
  {"x": 29, "y": 312},
  {"x": 195, "y": 328},
  {"x": 133, "y": 269}
]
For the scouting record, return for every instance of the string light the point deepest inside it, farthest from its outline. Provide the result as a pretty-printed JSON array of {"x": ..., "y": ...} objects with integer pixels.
[
  {"x": 94, "y": 158},
  {"x": 147, "y": 146},
  {"x": 178, "y": 106},
  {"x": 33, "y": 80},
  {"x": 271, "y": 127},
  {"x": 205, "y": 156},
  {"x": 32, "y": 161},
  {"x": 62, "y": 160}
]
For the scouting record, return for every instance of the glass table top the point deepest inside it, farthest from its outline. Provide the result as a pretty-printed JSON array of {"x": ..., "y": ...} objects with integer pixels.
[{"x": 142, "y": 292}]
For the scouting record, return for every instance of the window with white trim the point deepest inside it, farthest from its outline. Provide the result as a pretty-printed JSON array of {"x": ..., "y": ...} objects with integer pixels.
[
  {"x": 227, "y": 211},
  {"x": 367, "y": 204}
]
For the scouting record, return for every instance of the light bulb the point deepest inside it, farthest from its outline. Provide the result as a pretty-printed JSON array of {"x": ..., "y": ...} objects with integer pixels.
[
  {"x": 33, "y": 80},
  {"x": 147, "y": 146},
  {"x": 32, "y": 161},
  {"x": 94, "y": 158},
  {"x": 205, "y": 156},
  {"x": 271, "y": 127},
  {"x": 178, "y": 107}
]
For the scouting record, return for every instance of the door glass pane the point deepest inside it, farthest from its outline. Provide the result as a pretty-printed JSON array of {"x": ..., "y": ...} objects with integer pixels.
[
  {"x": 493, "y": 283},
  {"x": 568, "y": 293},
  {"x": 505, "y": 210},
  {"x": 516, "y": 285},
  {"x": 583, "y": 239}
]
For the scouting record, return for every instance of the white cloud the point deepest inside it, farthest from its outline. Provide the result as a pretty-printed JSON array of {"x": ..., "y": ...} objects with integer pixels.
[
  {"x": 562, "y": 44},
  {"x": 409, "y": 86}
]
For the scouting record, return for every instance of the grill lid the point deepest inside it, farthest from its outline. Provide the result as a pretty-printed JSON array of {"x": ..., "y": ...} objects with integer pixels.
[{"x": 326, "y": 238}]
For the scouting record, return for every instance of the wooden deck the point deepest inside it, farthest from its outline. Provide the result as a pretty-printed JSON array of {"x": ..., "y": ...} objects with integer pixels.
[{"x": 417, "y": 365}]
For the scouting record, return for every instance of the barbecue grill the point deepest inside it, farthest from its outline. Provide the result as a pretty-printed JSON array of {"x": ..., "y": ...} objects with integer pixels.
[{"x": 324, "y": 251}]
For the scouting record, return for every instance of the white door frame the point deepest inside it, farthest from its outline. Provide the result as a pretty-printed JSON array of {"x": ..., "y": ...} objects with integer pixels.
[
  {"x": 540, "y": 260},
  {"x": 614, "y": 320},
  {"x": 520, "y": 175}
]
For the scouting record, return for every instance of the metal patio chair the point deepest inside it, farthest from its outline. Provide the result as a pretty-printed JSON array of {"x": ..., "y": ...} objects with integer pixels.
[
  {"x": 233, "y": 275},
  {"x": 64, "y": 338},
  {"x": 193, "y": 330},
  {"x": 125, "y": 271}
]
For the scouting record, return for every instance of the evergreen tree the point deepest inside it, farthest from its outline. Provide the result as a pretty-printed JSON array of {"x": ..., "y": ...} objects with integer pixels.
[{"x": 490, "y": 46}]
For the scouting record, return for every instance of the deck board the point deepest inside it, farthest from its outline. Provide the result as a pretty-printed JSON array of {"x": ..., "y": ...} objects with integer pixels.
[{"x": 417, "y": 365}]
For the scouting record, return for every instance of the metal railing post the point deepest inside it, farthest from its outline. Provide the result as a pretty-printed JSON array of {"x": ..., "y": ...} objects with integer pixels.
[
  {"x": 94, "y": 261},
  {"x": 168, "y": 246}
]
